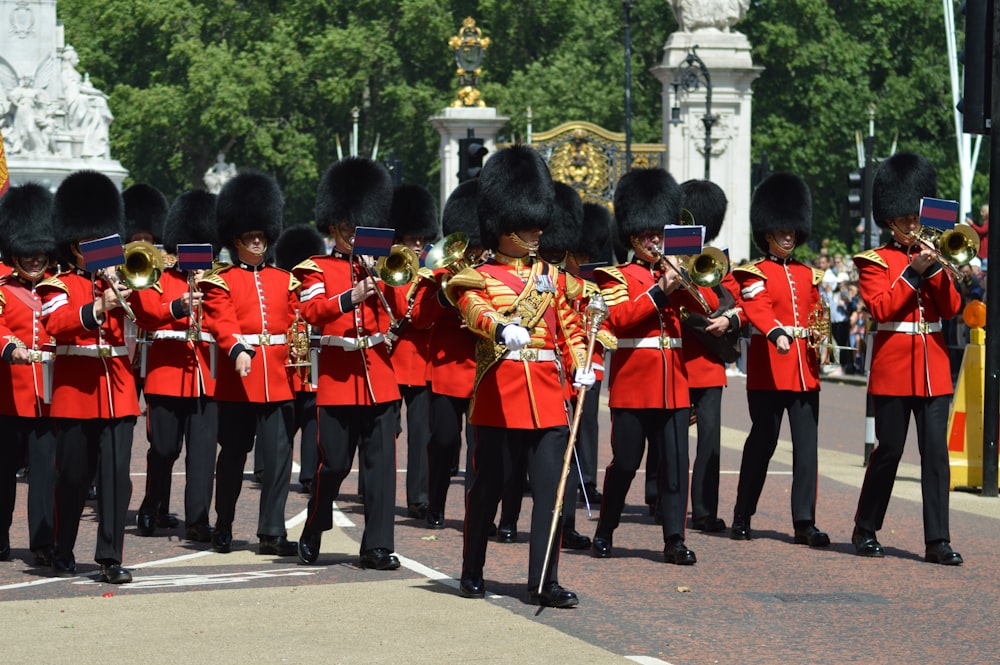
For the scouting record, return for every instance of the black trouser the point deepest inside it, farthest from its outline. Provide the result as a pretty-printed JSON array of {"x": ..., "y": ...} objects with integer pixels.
[
  {"x": 240, "y": 423},
  {"x": 498, "y": 452},
  {"x": 707, "y": 404},
  {"x": 667, "y": 433},
  {"x": 101, "y": 446},
  {"x": 369, "y": 431},
  {"x": 841, "y": 333},
  {"x": 588, "y": 435},
  {"x": 170, "y": 422},
  {"x": 306, "y": 425},
  {"x": 892, "y": 419},
  {"x": 767, "y": 408},
  {"x": 36, "y": 438},
  {"x": 418, "y": 433},
  {"x": 446, "y": 416}
]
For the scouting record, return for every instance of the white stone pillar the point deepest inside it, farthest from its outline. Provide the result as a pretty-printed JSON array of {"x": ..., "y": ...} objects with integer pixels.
[
  {"x": 727, "y": 57},
  {"x": 453, "y": 124}
]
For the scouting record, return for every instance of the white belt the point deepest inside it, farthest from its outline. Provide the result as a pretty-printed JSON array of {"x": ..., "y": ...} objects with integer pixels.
[
  {"x": 530, "y": 355},
  {"x": 795, "y": 332},
  {"x": 661, "y": 342},
  {"x": 182, "y": 336},
  {"x": 910, "y": 327},
  {"x": 41, "y": 356},
  {"x": 92, "y": 351},
  {"x": 352, "y": 343},
  {"x": 263, "y": 339}
]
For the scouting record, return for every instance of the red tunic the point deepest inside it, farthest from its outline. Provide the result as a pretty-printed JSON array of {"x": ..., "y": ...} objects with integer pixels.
[
  {"x": 243, "y": 308},
  {"x": 22, "y": 322},
  {"x": 175, "y": 366},
  {"x": 410, "y": 353},
  {"x": 775, "y": 294},
  {"x": 904, "y": 363},
  {"x": 347, "y": 375},
  {"x": 451, "y": 367},
  {"x": 86, "y": 386},
  {"x": 704, "y": 369},
  {"x": 519, "y": 393},
  {"x": 652, "y": 376}
]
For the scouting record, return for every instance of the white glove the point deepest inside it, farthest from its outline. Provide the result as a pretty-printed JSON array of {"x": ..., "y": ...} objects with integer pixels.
[
  {"x": 515, "y": 337},
  {"x": 584, "y": 378}
]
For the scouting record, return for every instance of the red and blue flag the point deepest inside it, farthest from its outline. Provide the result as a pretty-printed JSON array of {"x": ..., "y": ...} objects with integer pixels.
[
  {"x": 371, "y": 241},
  {"x": 195, "y": 256},
  {"x": 682, "y": 240},
  {"x": 102, "y": 253},
  {"x": 938, "y": 213}
]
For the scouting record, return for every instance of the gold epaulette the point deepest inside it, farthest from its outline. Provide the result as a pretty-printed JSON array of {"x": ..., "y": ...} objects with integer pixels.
[
  {"x": 590, "y": 288},
  {"x": 217, "y": 267},
  {"x": 54, "y": 281},
  {"x": 215, "y": 279},
  {"x": 817, "y": 276},
  {"x": 467, "y": 278},
  {"x": 618, "y": 291},
  {"x": 752, "y": 268},
  {"x": 308, "y": 265},
  {"x": 575, "y": 287},
  {"x": 873, "y": 256},
  {"x": 425, "y": 273},
  {"x": 293, "y": 283}
]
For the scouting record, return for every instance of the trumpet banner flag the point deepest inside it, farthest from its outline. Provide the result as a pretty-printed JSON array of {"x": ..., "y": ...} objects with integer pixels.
[
  {"x": 195, "y": 256},
  {"x": 372, "y": 241},
  {"x": 4, "y": 175},
  {"x": 102, "y": 253},
  {"x": 938, "y": 213}
]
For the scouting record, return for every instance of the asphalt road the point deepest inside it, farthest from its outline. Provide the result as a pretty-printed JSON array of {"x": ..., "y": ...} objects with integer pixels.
[{"x": 761, "y": 601}]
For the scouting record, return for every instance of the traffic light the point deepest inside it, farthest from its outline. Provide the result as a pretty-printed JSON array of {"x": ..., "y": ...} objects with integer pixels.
[
  {"x": 470, "y": 158},
  {"x": 856, "y": 193},
  {"x": 977, "y": 59}
]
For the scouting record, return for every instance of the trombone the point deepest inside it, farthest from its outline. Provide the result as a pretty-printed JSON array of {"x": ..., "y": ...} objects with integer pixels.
[
  {"x": 142, "y": 269},
  {"x": 706, "y": 269},
  {"x": 952, "y": 247}
]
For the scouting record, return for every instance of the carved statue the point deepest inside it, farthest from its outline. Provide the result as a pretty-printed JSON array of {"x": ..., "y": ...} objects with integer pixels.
[
  {"x": 217, "y": 174},
  {"x": 698, "y": 15},
  {"x": 86, "y": 107}
]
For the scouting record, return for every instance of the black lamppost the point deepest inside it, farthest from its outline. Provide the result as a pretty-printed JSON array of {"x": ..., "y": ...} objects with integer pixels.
[
  {"x": 691, "y": 74},
  {"x": 628, "y": 83}
]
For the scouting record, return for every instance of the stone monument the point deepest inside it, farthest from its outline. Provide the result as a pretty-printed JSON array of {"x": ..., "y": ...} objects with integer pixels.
[
  {"x": 707, "y": 25},
  {"x": 53, "y": 120}
]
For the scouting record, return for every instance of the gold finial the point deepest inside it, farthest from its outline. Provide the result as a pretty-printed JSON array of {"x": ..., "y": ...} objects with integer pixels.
[{"x": 469, "y": 46}]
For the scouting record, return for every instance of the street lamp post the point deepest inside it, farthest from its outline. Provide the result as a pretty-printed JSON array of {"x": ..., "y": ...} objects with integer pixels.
[
  {"x": 628, "y": 83},
  {"x": 691, "y": 74}
]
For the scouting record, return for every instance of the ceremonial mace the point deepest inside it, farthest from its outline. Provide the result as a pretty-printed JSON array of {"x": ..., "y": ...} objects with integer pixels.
[{"x": 596, "y": 312}]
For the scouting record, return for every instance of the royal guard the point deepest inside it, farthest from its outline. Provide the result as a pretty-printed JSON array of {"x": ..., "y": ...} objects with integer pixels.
[
  {"x": 710, "y": 341},
  {"x": 296, "y": 244},
  {"x": 27, "y": 242},
  {"x": 452, "y": 364},
  {"x": 645, "y": 299},
  {"x": 909, "y": 294},
  {"x": 249, "y": 307},
  {"x": 414, "y": 219},
  {"x": 179, "y": 385},
  {"x": 94, "y": 400},
  {"x": 781, "y": 300},
  {"x": 521, "y": 310},
  {"x": 358, "y": 396}
]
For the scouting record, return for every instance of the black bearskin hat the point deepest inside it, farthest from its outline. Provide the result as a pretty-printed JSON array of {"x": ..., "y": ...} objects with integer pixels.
[
  {"x": 515, "y": 194},
  {"x": 646, "y": 200},
  {"x": 296, "y": 244},
  {"x": 87, "y": 206},
  {"x": 900, "y": 182},
  {"x": 781, "y": 202},
  {"x": 356, "y": 191},
  {"x": 594, "y": 242},
  {"x": 707, "y": 204},
  {"x": 191, "y": 220},
  {"x": 563, "y": 233},
  {"x": 459, "y": 214},
  {"x": 26, "y": 222},
  {"x": 249, "y": 201},
  {"x": 145, "y": 211},
  {"x": 413, "y": 213}
]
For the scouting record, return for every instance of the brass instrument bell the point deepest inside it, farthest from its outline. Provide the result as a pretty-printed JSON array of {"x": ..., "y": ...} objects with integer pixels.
[{"x": 400, "y": 267}]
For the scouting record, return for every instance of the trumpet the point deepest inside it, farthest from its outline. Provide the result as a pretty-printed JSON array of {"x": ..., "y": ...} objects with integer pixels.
[
  {"x": 952, "y": 248},
  {"x": 298, "y": 342},
  {"x": 706, "y": 269},
  {"x": 194, "y": 317},
  {"x": 400, "y": 267},
  {"x": 142, "y": 269}
]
